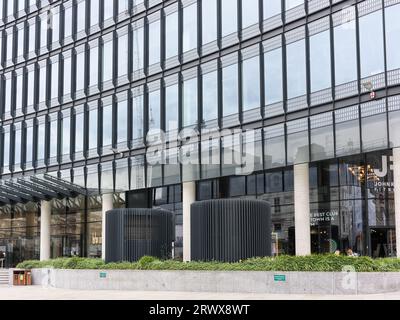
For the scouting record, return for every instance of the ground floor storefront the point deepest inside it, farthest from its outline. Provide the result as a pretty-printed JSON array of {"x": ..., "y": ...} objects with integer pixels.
[{"x": 318, "y": 207}]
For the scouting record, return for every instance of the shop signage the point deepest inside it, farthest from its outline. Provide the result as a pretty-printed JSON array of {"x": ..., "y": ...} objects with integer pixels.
[
  {"x": 379, "y": 185},
  {"x": 383, "y": 173},
  {"x": 324, "y": 216},
  {"x": 279, "y": 278}
]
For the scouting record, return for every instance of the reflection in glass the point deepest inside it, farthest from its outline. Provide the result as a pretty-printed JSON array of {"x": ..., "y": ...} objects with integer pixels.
[
  {"x": 320, "y": 61},
  {"x": 189, "y": 111},
  {"x": 371, "y": 44},
  {"x": 230, "y": 90},
  {"x": 296, "y": 69},
  {"x": 190, "y": 27},
  {"x": 347, "y": 131},
  {"x": 209, "y": 21},
  {"x": 273, "y": 76},
  {"x": 345, "y": 53},
  {"x": 250, "y": 13},
  {"x": 210, "y": 96},
  {"x": 229, "y": 18},
  {"x": 392, "y": 15},
  {"x": 251, "y": 83}
]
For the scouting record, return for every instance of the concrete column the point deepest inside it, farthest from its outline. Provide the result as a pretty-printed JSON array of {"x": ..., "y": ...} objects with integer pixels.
[
  {"x": 188, "y": 197},
  {"x": 107, "y": 205},
  {"x": 302, "y": 209},
  {"x": 45, "y": 221},
  {"x": 396, "y": 180}
]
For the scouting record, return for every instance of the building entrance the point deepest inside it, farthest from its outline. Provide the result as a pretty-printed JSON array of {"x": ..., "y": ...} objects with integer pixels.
[{"x": 383, "y": 242}]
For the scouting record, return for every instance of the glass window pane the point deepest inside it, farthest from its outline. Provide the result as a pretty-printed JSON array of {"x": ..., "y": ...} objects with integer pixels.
[
  {"x": 272, "y": 8},
  {"x": 108, "y": 9},
  {"x": 8, "y": 94},
  {"x": 374, "y": 125},
  {"x": 155, "y": 110},
  {"x": 229, "y": 18},
  {"x": 273, "y": 76},
  {"x": 190, "y": 27},
  {"x": 17, "y": 146},
  {"x": 322, "y": 143},
  {"x": 209, "y": 21},
  {"x": 20, "y": 44},
  {"x": 123, "y": 55},
  {"x": 274, "y": 147},
  {"x": 290, "y": 4},
  {"x": 210, "y": 96},
  {"x": 107, "y": 125},
  {"x": 94, "y": 12},
  {"x": 394, "y": 122},
  {"x": 93, "y": 129},
  {"x": 122, "y": 123},
  {"x": 6, "y": 147},
  {"x": 80, "y": 65},
  {"x": 250, "y": 15},
  {"x": 29, "y": 146},
  {"x": 66, "y": 135},
  {"x": 43, "y": 31},
  {"x": 53, "y": 136},
  {"x": 297, "y": 141},
  {"x": 81, "y": 14},
  {"x": 107, "y": 57},
  {"x": 19, "y": 89},
  {"x": 42, "y": 83},
  {"x": 296, "y": 69},
  {"x": 347, "y": 131},
  {"x": 31, "y": 87},
  {"x": 371, "y": 44},
  {"x": 79, "y": 131},
  {"x": 138, "y": 49},
  {"x": 171, "y": 107},
  {"x": 41, "y": 139},
  {"x": 68, "y": 22},
  {"x": 154, "y": 42},
  {"x": 10, "y": 43},
  {"x": 54, "y": 79},
  {"x": 121, "y": 175},
  {"x": 138, "y": 119},
  {"x": 320, "y": 61},
  {"x": 189, "y": 111},
  {"x": 171, "y": 35},
  {"x": 392, "y": 15},
  {"x": 251, "y": 83},
  {"x": 345, "y": 53},
  {"x": 67, "y": 75},
  {"x": 230, "y": 89},
  {"x": 94, "y": 66}
]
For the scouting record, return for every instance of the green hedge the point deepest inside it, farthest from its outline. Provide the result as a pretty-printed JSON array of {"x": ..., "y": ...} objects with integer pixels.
[{"x": 320, "y": 263}]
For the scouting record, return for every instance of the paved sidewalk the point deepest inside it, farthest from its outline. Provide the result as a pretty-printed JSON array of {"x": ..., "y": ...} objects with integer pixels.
[{"x": 41, "y": 293}]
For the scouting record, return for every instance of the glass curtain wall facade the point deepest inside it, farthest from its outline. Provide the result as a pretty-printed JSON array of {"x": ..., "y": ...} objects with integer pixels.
[{"x": 82, "y": 82}]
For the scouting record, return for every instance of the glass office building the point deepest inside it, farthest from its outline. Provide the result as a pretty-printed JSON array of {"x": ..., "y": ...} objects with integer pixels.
[{"x": 316, "y": 83}]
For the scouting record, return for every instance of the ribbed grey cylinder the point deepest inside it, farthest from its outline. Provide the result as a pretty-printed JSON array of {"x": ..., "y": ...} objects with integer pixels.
[
  {"x": 230, "y": 230},
  {"x": 134, "y": 233}
]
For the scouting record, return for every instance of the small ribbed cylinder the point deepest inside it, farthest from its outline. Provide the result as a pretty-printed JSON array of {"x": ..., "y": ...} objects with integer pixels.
[
  {"x": 134, "y": 233},
  {"x": 230, "y": 230}
]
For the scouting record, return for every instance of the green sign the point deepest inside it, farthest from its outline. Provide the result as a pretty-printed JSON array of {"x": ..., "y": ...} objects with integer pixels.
[
  {"x": 103, "y": 275},
  {"x": 279, "y": 278}
]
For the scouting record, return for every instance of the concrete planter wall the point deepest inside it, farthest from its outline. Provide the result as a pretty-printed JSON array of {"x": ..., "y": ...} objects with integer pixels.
[{"x": 208, "y": 281}]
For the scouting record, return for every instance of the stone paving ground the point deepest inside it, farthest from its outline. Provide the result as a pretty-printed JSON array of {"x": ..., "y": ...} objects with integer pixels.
[{"x": 42, "y": 293}]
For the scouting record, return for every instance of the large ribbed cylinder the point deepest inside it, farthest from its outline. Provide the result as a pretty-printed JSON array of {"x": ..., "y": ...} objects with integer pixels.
[
  {"x": 134, "y": 233},
  {"x": 230, "y": 230}
]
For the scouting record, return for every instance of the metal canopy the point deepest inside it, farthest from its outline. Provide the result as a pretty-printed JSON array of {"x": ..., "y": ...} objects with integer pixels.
[{"x": 37, "y": 188}]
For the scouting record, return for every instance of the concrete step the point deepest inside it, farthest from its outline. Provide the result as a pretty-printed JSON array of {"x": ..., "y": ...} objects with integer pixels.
[{"x": 4, "y": 277}]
